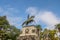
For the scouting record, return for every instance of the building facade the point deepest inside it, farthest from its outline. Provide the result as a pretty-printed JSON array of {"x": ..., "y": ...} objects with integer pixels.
[{"x": 29, "y": 33}]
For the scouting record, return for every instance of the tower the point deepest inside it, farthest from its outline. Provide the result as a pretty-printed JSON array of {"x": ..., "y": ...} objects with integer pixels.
[{"x": 29, "y": 33}]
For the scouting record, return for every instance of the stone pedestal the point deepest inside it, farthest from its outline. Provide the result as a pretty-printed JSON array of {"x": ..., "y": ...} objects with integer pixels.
[
  {"x": 29, "y": 33},
  {"x": 28, "y": 38}
]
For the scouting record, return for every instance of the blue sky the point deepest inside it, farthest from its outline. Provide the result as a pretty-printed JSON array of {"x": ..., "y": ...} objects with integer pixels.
[{"x": 47, "y": 12}]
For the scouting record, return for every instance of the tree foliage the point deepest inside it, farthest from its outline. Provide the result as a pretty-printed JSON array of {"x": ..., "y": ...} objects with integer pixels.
[
  {"x": 6, "y": 30},
  {"x": 58, "y": 26}
]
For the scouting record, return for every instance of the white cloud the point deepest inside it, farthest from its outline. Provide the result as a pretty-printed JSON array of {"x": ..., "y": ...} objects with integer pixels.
[
  {"x": 48, "y": 17},
  {"x": 32, "y": 10},
  {"x": 16, "y": 21}
]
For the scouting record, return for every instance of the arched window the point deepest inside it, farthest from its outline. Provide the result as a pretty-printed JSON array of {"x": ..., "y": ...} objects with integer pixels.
[
  {"x": 27, "y": 31},
  {"x": 33, "y": 31},
  {"x": 24, "y": 39},
  {"x": 33, "y": 38}
]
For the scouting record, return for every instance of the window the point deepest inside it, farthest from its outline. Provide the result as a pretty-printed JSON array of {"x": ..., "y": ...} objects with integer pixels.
[
  {"x": 33, "y": 31},
  {"x": 33, "y": 38},
  {"x": 27, "y": 31}
]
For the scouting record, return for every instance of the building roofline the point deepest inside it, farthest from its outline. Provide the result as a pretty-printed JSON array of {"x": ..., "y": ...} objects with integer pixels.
[{"x": 29, "y": 26}]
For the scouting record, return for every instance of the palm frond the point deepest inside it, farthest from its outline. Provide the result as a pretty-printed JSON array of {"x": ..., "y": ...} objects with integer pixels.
[
  {"x": 29, "y": 20},
  {"x": 39, "y": 27},
  {"x": 57, "y": 26},
  {"x": 28, "y": 16},
  {"x": 32, "y": 16},
  {"x": 23, "y": 23}
]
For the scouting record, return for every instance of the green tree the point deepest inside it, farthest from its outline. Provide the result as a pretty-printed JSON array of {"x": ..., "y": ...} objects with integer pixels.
[
  {"x": 13, "y": 33},
  {"x": 6, "y": 30},
  {"x": 45, "y": 34},
  {"x": 4, "y": 24},
  {"x": 58, "y": 26},
  {"x": 52, "y": 34},
  {"x": 29, "y": 20}
]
